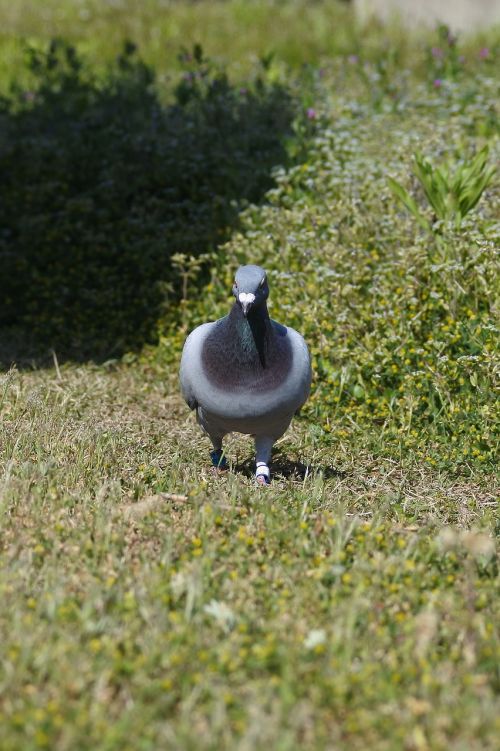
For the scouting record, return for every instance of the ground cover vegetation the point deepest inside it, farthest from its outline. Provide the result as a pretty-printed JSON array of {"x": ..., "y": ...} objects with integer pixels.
[
  {"x": 146, "y": 603},
  {"x": 98, "y": 171}
]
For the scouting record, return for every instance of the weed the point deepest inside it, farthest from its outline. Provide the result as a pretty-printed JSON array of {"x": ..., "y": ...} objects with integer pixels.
[{"x": 451, "y": 192}]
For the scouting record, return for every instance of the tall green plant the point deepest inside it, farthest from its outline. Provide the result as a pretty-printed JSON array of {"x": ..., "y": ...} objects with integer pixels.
[{"x": 451, "y": 192}]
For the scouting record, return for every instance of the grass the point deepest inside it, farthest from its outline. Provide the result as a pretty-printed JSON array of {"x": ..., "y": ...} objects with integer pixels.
[
  {"x": 356, "y": 604},
  {"x": 147, "y": 603},
  {"x": 161, "y": 27}
]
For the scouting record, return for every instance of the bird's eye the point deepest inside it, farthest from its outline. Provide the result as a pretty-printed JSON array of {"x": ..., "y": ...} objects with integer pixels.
[{"x": 262, "y": 282}]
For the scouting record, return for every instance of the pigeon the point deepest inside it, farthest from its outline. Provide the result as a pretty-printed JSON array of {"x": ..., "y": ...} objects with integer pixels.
[{"x": 245, "y": 373}]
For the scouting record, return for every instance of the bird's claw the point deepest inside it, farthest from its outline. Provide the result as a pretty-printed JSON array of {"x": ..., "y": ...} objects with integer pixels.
[{"x": 219, "y": 461}]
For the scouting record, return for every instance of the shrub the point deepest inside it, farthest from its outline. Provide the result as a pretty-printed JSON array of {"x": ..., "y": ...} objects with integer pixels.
[
  {"x": 400, "y": 321},
  {"x": 102, "y": 184}
]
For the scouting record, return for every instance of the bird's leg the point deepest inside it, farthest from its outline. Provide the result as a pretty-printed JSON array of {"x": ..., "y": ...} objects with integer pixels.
[
  {"x": 263, "y": 447},
  {"x": 217, "y": 455},
  {"x": 219, "y": 461}
]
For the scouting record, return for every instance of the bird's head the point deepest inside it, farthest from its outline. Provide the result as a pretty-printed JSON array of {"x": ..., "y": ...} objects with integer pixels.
[{"x": 250, "y": 287}]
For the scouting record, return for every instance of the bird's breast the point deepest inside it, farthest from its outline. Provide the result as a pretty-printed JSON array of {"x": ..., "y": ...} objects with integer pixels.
[
  {"x": 237, "y": 386},
  {"x": 244, "y": 370}
]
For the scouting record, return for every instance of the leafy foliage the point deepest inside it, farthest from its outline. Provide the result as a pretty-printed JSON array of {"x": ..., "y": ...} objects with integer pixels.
[
  {"x": 402, "y": 324},
  {"x": 450, "y": 193},
  {"x": 103, "y": 185}
]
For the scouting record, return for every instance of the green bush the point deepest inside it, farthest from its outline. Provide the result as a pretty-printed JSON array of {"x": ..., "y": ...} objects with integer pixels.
[
  {"x": 400, "y": 320},
  {"x": 101, "y": 185}
]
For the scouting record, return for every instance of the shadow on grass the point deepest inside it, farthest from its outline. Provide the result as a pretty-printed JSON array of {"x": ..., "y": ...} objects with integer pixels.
[
  {"x": 102, "y": 184},
  {"x": 289, "y": 470}
]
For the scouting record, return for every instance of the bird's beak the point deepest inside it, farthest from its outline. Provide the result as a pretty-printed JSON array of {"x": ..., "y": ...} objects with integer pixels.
[{"x": 246, "y": 300}]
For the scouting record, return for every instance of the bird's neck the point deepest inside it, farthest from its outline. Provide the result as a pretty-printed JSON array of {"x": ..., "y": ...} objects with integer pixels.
[{"x": 253, "y": 331}]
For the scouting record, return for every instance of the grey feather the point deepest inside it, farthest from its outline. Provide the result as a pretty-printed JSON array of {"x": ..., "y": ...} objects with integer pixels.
[{"x": 245, "y": 372}]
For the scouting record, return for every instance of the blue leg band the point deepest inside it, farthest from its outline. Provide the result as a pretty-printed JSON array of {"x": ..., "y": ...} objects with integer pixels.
[{"x": 218, "y": 459}]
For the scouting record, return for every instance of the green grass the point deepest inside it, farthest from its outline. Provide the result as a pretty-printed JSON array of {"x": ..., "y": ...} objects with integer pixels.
[
  {"x": 356, "y": 605},
  {"x": 353, "y": 604},
  {"x": 235, "y": 31},
  {"x": 160, "y": 29}
]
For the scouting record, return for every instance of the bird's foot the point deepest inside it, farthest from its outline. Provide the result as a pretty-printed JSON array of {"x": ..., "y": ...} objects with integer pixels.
[
  {"x": 219, "y": 461},
  {"x": 262, "y": 475}
]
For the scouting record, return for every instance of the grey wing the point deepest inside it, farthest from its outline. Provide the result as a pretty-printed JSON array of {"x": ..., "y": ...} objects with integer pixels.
[
  {"x": 189, "y": 360},
  {"x": 188, "y": 395},
  {"x": 304, "y": 357},
  {"x": 184, "y": 374}
]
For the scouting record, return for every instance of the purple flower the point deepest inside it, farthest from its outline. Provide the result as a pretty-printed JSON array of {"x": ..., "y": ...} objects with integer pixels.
[
  {"x": 437, "y": 52},
  {"x": 353, "y": 59},
  {"x": 461, "y": 59},
  {"x": 484, "y": 52},
  {"x": 243, "y": 91},
  {"x": 438, "y": 83},
  {"x": 311, "y": 114}
]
